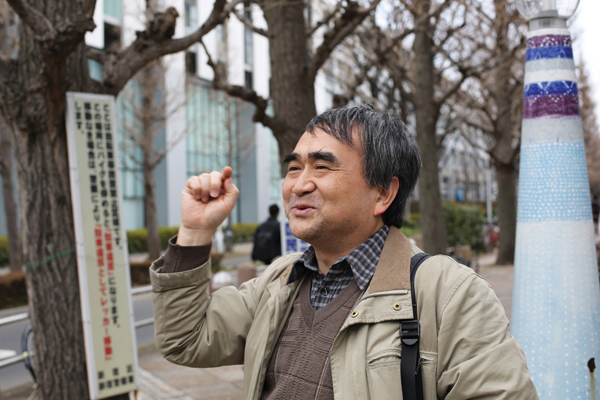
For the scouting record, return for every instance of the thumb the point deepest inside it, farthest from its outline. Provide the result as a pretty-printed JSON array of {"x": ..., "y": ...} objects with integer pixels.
[{"x": 231, "y": 191}]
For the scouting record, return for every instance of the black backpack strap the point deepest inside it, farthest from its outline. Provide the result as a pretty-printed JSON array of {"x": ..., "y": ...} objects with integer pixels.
[{"x": 410, "y": 332}]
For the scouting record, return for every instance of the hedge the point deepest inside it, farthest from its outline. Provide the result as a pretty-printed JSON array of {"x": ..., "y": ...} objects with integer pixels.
[
  {"x": 243, "y": 233},
  {"x": 4, "y": 251},
  {"x": 464, "y": 224}
]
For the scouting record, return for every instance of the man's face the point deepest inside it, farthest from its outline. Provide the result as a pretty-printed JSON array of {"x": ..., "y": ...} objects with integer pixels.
[{"x": 326, "y": 196}]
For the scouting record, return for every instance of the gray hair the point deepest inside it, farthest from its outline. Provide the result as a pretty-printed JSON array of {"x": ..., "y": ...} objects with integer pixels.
[{"x": 387, "y": 150}]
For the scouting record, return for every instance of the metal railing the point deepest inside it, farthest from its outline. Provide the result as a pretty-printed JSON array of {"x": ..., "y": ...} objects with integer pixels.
[{"x": 15, "y": 359}]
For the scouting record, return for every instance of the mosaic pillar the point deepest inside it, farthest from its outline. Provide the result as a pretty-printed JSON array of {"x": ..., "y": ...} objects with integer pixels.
[{"x": 556, "y": 298}]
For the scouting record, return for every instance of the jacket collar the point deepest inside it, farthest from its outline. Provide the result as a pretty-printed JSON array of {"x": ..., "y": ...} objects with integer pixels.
[{"x": 393, "y": 269}]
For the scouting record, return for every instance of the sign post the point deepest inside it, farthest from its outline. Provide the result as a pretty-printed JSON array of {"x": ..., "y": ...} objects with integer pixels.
[{"x": 102, "y": 256}]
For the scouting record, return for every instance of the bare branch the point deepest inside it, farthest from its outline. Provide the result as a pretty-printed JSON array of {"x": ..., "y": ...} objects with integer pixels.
[
  {"x": 61, "y": 38},
  {"x": 249, "y": 95},
  {"x": 325, "y": 20},
  {"x": 37, "y": 21},
  {"x": 96, "y": 54},
  {"x": 88, "y": 8},
  {"x": 156, "y": 41},
  {"x": 248, "y": 23},
  {"x": 352, "y": 16}
]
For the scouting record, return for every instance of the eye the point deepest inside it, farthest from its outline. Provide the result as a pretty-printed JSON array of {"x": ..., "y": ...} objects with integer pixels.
[{"x": 321, "y": 167}]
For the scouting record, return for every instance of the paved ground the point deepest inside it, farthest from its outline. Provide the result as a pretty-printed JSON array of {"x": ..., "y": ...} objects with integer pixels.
[{"x": 161, "y": 380}]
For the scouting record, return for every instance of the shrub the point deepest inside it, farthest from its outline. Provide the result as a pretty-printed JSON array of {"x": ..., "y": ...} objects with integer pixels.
[
  {"x": 13, "y": 289},
  {"x": 411, "y": 227},
  {"x": 166, "y": 233},
  {"x": 137, "y": 241},
  {"x": 464, "y": 224},
  {"x": 243, "y": 233},
  {"x": 4, "y": 251}
]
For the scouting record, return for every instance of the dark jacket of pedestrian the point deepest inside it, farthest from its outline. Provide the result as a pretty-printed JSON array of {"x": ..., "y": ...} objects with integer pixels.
[{"x": 267, "y": 241}]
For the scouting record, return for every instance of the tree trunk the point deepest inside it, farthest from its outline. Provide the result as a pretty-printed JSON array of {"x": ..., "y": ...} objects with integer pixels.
[
  {"x": 10, "y": 205},
  {"x": 503, "y": 150},
  {"x": 36, "y": 116},
  {"x": 292, "y": 92},
  {"x": 432, "y": 221},
  {"x": 150, "y": 85},
  {"x": 150, "y": 211},
  {"x": 507, "y": 213}
]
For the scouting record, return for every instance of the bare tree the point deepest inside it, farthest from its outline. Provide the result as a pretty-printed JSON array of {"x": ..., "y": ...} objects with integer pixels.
[
  {"x": 53, "y": 59},
  {"x": 222, "y": 140},
  {"x": 427, "y": 51},
  {"x": 488, "y": 112},
  {"x": 144, "y": 120},
  {"x": 8, "y": 44},
  {"x": 295, "y": 62}
]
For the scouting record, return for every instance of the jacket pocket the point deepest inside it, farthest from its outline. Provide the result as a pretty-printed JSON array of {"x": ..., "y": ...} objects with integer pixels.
[
  {"x": 428, "y": 363},
  {"x": 383, "y": 375}
]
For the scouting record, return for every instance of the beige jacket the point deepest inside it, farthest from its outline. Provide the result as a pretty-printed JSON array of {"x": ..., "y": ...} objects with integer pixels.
[{"x": 466, "y": 349}]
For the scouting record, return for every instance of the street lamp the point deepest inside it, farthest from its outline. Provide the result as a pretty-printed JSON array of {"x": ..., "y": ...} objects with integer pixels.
[{"x": 556, "y": 296}]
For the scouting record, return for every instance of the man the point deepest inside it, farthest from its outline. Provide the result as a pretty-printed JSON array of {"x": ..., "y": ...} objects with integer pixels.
[
  {"x": 267, "y": 238},
  {"x": 325, "y": 324}
]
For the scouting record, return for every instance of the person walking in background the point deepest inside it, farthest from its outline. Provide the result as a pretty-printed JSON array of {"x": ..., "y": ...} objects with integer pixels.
[{"x": 267, "y": 238}]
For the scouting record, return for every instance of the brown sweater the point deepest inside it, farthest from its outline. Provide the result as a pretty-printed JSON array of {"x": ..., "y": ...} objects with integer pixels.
[{"x": 299, "y": 366}]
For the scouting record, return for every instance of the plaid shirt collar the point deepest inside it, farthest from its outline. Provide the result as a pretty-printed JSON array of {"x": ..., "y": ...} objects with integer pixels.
[{"x": 362, "y": 260}]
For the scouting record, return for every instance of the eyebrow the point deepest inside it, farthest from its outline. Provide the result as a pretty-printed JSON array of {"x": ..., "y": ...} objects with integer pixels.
[
  {"x": 290, "y": 157},
  {"x": 323, "y": 155},
  {"x": 315, "y": 155}
]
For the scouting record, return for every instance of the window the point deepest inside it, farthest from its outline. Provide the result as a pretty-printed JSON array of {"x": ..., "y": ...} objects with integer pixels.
[
  {"x": 191, "y": 14},
  {"x": 248, "y": 83},
  {"x": 191, "y": 65},
  {"x": 113, "y": 8},
  {"x": 112, "y": 36}
]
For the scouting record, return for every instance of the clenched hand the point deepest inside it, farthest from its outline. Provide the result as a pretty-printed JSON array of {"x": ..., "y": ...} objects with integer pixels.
[{"x": 205, "y": 203}]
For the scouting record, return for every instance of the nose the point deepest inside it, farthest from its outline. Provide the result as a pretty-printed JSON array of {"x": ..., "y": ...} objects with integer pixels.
[{"x": 304, "y": 183}]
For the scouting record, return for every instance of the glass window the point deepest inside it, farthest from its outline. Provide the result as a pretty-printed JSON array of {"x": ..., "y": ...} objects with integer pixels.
[
  {"x": 191, "y": 15},
  {"x": 113, "y": 8},
  {"x": 96, "y": 69}
]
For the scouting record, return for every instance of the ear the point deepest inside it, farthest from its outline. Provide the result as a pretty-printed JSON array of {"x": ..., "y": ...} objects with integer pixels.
[{"x": 386, "y": 197}]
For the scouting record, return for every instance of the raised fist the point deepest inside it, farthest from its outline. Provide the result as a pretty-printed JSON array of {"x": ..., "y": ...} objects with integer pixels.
[{"x": 206, "y": 201}]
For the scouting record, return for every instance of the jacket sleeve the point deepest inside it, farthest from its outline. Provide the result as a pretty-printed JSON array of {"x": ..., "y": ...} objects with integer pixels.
[
  {"x": 194, "y": 328},
  {"x": 477, "y": 356}
]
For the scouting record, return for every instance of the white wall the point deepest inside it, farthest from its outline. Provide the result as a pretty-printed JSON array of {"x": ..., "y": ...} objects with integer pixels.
[
  {"x": 96, "y": 37},
  {"x": 175, "y": 126}
]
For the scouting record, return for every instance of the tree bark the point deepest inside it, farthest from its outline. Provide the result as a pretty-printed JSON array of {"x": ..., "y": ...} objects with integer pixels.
[
  {"x": 504, "y": 133},
  {"x": 33, "y": 103},
  {"x": 426, "y": 113},
  {"x": 150, "y": 85},
  {"x": 292, "y": 92},
  {"x": 506, "y": 176},
  {"x": 10, "y": 205}
]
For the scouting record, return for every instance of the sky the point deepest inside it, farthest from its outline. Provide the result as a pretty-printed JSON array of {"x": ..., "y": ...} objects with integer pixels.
[{"x": 585, "y": 30}]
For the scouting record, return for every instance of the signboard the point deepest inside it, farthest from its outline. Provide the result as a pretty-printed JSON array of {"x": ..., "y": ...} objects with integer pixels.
[
  {"x": 102, "y": 256},
  {"x": 289, "y": 242}
]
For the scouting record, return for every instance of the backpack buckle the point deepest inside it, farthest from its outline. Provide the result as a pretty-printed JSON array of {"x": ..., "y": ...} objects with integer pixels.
[{"x": 410, "y": 332}]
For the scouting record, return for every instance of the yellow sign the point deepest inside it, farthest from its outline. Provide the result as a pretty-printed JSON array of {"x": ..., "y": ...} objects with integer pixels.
[{"x": 102, "y": 256}]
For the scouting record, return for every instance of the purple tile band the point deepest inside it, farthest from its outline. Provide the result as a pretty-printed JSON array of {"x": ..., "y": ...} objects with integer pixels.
[
  {"x": 549, "y": 41},
  {"x": 551, "y": 105}
]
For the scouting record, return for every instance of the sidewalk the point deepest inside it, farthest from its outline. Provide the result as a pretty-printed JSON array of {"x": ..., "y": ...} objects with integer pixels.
[{"x": 161, "y": 380}]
